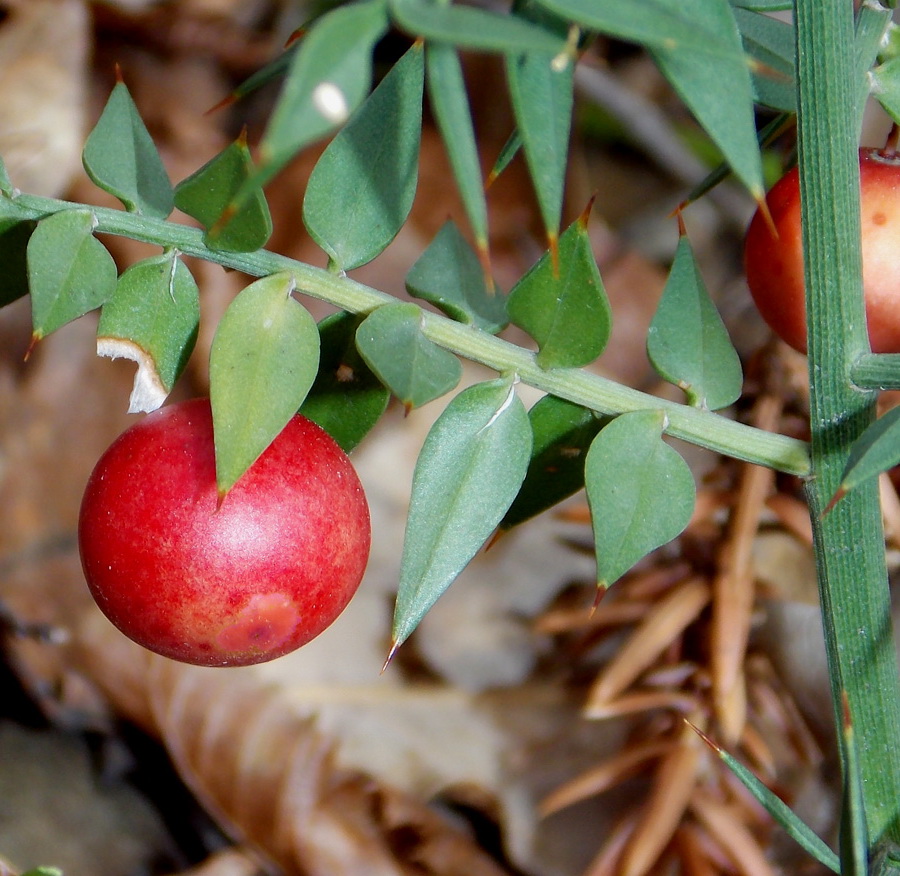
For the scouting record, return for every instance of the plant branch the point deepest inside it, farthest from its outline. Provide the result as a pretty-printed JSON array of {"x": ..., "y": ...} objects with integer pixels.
[
  {"x": 696, "y": 426},
  {"x": 850, "y": 539},
  {"x": 876, "y": 371}
]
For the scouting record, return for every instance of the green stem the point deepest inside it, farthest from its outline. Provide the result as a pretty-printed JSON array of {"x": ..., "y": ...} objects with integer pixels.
[
  {"x": 850, "y": 539},
  {"x": 876, "y": 371},
  {"x": 696, "y": 426}
]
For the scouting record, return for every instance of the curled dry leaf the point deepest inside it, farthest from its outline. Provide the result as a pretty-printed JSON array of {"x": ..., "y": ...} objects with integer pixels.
[{"x": 271, "y": 776}]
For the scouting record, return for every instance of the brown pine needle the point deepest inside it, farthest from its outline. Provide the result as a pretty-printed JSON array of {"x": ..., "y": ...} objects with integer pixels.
[
  {"x": 675, "y": 675},
  {"x": 793, "y": 515},
  {"x": 663, "y": 623},
  {"x": 603, "y": 777},
  {"x": 733, "y": 588},
  {"x": 606, "y": 862},
  {"x": 672, "y": 791},
  {"x": 643, "y": 701},
  {"x": 655, "y": 582},
  {"x": 890, "y": 508},
  {"x": 608, "y": 614},
  {"x": 729, "y": 831},
  {"x": 692, "y": 851},
  {"x": 759, "y": 751}
]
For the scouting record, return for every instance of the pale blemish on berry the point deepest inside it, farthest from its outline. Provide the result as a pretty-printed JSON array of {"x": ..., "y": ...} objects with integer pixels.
[{"x": 266, "y": 622}]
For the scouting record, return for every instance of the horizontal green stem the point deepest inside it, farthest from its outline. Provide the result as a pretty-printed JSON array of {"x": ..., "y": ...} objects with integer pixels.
[
  {"x": 876, "y": 371},
  {"x": 696, "y": 426}
]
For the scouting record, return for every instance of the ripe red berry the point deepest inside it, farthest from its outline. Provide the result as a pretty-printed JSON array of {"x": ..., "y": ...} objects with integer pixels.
[
  {"x": 774, "y": 264},
  {"x": 242, "y": 583}
]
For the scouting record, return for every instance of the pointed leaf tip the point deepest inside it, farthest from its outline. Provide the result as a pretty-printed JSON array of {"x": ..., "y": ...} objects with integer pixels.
[
  {"x": 640, "y": 491},
  {"x": 688, "y": 343},
  {"x": 121, "y": 158},
  {"x": 841, "y": 492},
  {"x": 703, "y": 736},
  {"x": 395, "y": 646},
  {"x": 362, "y": 188},
  {"x": 263, "y": 360},
  {"x": 602, "y": 590},
  {"x": 468, "y": 472},
  {"x": 585, "y": 216},
  {"x": 561, "y": 302}
]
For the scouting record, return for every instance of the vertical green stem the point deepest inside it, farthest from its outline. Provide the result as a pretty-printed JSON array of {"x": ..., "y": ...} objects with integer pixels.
[{"x": 849, "y": 540}]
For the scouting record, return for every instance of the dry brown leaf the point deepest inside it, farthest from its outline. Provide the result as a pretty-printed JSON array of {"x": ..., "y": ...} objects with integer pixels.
[
  {"x": 275, "y": 777},
  {"x": 43, "y": 58},
  {"x": 228, "y": 862},
  {"x": 56, "y": 809}
]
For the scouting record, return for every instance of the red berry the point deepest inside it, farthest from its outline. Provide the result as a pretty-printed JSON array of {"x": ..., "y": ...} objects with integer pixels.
[
  {"x": 774, "y": 264},
  {"x": 242, "y": 583}
]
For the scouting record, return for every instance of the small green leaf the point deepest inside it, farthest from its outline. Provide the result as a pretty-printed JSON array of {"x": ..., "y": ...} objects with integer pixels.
[
  {"x": 473, "y": 28},
  {"x": 327, "y": 79},
  {"x": 14, "y": 237},
  {"x": 415, "y": 370},
  {"x": 362, "y": 188},
  {"x": 509, "y": 151},
  {"x": 69, "y": 271},
  {"x": 120, "y": 157},
  {"x": 793, "y": 825},
  {"x": 717, "y": 88},
  {"x": 770, "y": 42},
  {"x": 152, "y": 319},
  {"x": 6, "y": 184},
  {"x": 274, "y": 69},
  {"x": 651, "y": 23},
  {"x": 467, "y": 475},
  {"x": 698, "y": 48},
  {"x": 346, "y": 399},
  {"x": 640, "y": 492},
  {"x": 563, "y": 432},
  {"x": 263, "y": 361},
  {"x": 450, "y": 276},
  {"x": 875, "y": 451},
  {"x": 886, "y": 86},
  {"x": 450, "y": 104},
  {"x": 688, "y": 343},
  {"x": 207, "y": 192},
  {"x": 566, "y": 310},
  {"x": 542, "y": 101}
]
